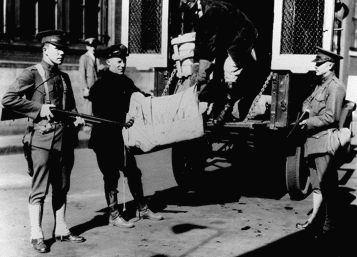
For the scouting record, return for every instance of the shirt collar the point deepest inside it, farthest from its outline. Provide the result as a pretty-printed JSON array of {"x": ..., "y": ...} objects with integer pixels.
[
  {"x": 49, "y": 67},
  {"x": 327, "y": 79}
]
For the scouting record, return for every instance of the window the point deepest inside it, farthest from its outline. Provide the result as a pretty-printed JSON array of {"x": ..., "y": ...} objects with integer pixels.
[
  {"x": 300, "y": 26},
  {"x": 145, "y": 32},
  {"x": 22, "y": 19}
]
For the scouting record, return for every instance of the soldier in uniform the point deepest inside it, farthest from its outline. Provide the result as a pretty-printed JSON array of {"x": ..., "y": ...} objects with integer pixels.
[
  {"x": 324, "y": 107},
  {"x": 110, "y": 97},
  {"x": 51, "y": 142}
]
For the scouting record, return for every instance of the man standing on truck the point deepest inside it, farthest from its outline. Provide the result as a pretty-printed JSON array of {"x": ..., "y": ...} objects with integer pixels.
[
  {"x": 324, "y": 107},
  {"x": 225, "y": 39}
]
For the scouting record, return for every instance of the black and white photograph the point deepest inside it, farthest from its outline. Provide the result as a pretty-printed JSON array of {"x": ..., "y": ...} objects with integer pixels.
[{"x": 178, "y": 128}]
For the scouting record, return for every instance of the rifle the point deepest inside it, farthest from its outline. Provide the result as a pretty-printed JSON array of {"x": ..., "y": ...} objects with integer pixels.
[
  {"x": 300, "y": 118},
  {"x": 61, "y": 114}
]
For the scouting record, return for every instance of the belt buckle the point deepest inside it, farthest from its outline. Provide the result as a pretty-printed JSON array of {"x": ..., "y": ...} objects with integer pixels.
[{"x": 45, "y": 129}]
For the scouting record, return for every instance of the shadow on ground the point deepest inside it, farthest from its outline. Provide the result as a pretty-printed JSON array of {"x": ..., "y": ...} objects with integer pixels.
[{"x": 339, "y": 244}]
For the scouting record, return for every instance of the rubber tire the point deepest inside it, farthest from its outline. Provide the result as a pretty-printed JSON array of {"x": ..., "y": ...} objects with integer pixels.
[
  {"x": 297, "y": 175},
  {"x": 188, "y": 163}
]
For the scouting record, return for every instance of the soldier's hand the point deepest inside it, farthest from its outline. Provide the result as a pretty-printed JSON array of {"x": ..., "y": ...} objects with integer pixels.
[
  {"x": 303, "y": 124},
  {"x": 46, "y": 111},
  {"x": 85, "y": 93},
  {"x": 129, "y": 123},
  {"x": 79, "y": 122},
  {"x": 204, "y": 69}
]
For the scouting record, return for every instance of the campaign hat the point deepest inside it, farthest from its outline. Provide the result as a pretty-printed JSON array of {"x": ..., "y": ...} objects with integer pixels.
[
  {"x": 54, "y": 37},
  {"x": 118, "y": 50},
  {"x": 324, "y": 55}
]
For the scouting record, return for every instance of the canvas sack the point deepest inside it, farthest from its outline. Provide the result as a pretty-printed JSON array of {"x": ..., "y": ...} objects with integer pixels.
[
  {"x": 163, "y": 120},
  {"x": 338, "y": 138}
]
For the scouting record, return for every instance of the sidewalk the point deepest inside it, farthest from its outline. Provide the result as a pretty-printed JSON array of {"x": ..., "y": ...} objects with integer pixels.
[{"x": 12, "y": 144}]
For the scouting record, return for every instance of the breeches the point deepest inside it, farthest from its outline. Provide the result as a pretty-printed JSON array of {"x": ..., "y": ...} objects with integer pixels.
[
  {"x": 50, "y": 167},
  {"x": 322, "y": 173},
  {"x": 110, "y": 163}
]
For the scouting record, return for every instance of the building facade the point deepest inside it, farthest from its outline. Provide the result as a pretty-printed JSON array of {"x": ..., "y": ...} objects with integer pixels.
[{"x": 146, "y": 27}]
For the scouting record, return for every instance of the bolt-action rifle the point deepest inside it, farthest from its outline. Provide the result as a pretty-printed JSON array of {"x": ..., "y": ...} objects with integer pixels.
[
  {"x": 300, "y": 118},
  {"x": 68, "y": 115}
]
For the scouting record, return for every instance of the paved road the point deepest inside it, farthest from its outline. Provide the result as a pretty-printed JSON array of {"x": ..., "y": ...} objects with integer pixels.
[{"x": 227, "y": 219}]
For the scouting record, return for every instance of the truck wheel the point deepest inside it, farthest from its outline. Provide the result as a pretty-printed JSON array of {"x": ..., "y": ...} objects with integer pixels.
[
  {"x": 297, "y": 175},
  {"x": 188, "y": 163}
]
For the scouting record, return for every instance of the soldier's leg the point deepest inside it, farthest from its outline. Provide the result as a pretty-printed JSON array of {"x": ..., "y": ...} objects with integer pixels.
[
  {"x": 315, "y": 177},
  {"x": 231, "y": 73},
  {"x": 313, "y": 223},
  {"x": 60, "y": 172},
  {"x": 39, "y": 189},
  {"x": 109, "y": 163},
  {"x": 329, "y": 189},
  {"x": 322, "y": 163},
  {"x": 133, "y": 173}
]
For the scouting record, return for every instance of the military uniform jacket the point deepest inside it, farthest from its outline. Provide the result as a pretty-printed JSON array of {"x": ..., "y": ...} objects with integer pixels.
[
  {"x": 110, "y": 96},
  {"x": 224, "y": 29},
  {"x": 88, "y": 70},
  {"x": 30, "y": 84},
  {"x": 325, "y": 105}
]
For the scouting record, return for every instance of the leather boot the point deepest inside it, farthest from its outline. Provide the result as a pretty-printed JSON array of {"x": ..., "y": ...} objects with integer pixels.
[
  {"x": 146, "y": 213},
  {"x": 115, "y": 219},
  {"x": 39, "y": 245},
  {"x": 227, "y": 108}
]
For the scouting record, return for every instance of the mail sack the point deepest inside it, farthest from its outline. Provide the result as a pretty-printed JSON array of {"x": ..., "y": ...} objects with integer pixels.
[
  {"x": 159, "y": 121},
  {"x": 338, "y": 138}
]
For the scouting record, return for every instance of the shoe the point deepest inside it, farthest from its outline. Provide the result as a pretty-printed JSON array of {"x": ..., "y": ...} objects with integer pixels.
[
  {"x": 311, "y": 228},
  {"x": 148, "y": 214},
  {"x": 120, "y": 222},
  {"x": 39, "y": 245},
  {"x": 304, "y": 225},
  {"x": 70, "y": 238}
]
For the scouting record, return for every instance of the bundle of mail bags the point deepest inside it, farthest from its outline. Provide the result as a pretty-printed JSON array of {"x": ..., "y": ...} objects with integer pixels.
[{"x": 160, "y": 121}]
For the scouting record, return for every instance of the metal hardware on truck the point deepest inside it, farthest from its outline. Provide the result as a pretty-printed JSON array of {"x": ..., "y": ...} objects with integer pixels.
[
  {"x": 169, "y": 82},
  {"x": 256, "y": 99}
]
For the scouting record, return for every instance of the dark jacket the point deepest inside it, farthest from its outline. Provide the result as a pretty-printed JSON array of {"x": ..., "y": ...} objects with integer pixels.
[
  {"x": 30, "y": 84},
  {"x": 110, "y": 97},
  {"x": 325, "y": 105},
  {"x": 224, "y": 29}
]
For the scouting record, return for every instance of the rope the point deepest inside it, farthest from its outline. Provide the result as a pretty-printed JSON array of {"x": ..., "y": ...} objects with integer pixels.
[{"x": 256, "y": 99}]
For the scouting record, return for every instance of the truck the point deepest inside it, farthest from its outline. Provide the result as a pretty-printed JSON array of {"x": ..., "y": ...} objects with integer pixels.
[{"x": 289, "y": 32}]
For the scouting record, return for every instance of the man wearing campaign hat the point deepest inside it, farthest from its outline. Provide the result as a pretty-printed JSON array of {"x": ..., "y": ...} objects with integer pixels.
[
  {"x": 110, "y": 97},
  {"x": 324, "y": 107},
  {"x": 49, "y": 142},
  {"x": 89, "y": 65}
]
